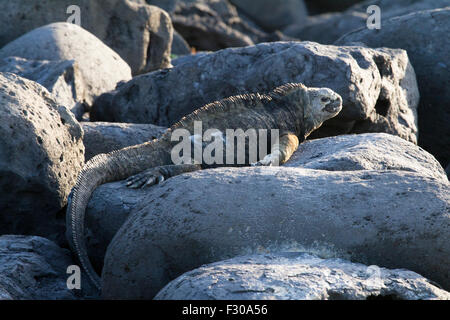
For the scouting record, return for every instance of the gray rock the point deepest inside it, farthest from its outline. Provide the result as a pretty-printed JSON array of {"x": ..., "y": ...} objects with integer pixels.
[
  {"x": 273, "y": 15},
  {"x": 371, "y": 151},
  {"x": 298, "y": 276},
  {"x": 425, "y": 36},
  {"x": 111, "y": 204},
  {"x": 394, "y": 219},
  {"x": 107, "y": 211},
  {"x": 328, "y": 27},
  {"x": 179, "y": 46},
  {"x": 390, "y": 9},
  {"x": 41, "y": 154},
  {"x": 5, "y": 295},
  {"x": 378, "y": 87},
  {"x": 100, "y": 67},
  {"x": 34, "y": 268},
  {"x": 205, "y": 29},
  {"x": 62, "y": 78},
  {"x": 184, "y": 59},
  {"x": 139, "y": 33},
  {"x": 216, "y": 24},
  {"x": 104, "y": 137}
]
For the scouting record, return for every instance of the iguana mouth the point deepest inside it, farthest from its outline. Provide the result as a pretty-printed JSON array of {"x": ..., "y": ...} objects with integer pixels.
[{"x": 334, "y": 106}]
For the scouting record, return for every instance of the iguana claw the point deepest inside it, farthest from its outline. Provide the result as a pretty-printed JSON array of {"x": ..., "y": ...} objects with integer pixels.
[
  {"x": 145, "y": 179},
  {"x": 266, "y": 162}
]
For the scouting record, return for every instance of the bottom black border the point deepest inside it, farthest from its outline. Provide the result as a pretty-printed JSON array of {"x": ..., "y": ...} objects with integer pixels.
[{"x": 246, "y": 309}]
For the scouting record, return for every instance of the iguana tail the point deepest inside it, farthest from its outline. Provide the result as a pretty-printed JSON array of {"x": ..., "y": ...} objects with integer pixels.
[{"x": 103, "y": 168}]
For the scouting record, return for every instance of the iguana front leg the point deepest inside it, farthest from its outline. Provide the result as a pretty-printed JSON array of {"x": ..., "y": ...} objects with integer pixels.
[
  {"x": 280, "y": 152},
  {"x": 157, "y": 175}
]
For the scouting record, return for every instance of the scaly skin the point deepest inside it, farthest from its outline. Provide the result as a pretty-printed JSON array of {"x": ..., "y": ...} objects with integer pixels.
[{"x": 293, "y": 109}]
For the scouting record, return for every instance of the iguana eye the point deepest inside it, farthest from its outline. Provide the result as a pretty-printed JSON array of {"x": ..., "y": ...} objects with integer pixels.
[{"x": 324, "y": 99}]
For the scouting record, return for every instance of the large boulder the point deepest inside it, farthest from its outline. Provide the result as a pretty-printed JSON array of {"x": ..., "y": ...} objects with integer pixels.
[
  {"x": 104, "y": 137},
  {"x": 371, "y": 151},
  {"x": 175, "y": 62},
  {"x": 139, "y": 33},
  {"x": 100, "y": 66},
  {"x": 298, "y": 276},
  {"x": 390, "y": 9},
  {"x": 214, "y": 24},
  {"x": 34, "y": 268},
  {"x": 179, "y": 45},
  {"x": 108, "y": 209},
  {"x": 62, "y": 78},
  {"x": 425, "y": 36},
  {"x": 112, "y": 203},
  {"x": 273, "y": 15},
  {"x": 326, "y": 28},
  {"x": 378, "y": 87},
  {"x": 41, "y": 154},
  {"x": 204, "y": 29},
  {"x": 394, "y": 219}
]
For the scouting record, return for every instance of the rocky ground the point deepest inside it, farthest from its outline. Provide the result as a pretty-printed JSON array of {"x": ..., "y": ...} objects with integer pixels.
[{"x": 360, "y": 211}]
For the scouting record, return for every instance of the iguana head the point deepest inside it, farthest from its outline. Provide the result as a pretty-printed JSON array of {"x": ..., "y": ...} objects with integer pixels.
[
  {"x": 312, "y": 106},
  {"x": 323, "y": 104}
]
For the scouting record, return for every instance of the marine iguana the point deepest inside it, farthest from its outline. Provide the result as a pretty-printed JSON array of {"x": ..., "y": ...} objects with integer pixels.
[{"x": 293, "y": 109}]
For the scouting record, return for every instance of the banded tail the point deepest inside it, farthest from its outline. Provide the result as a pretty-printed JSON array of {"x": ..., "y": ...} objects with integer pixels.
[{"x": 103, "y": 168}]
